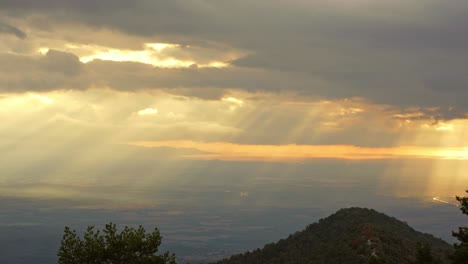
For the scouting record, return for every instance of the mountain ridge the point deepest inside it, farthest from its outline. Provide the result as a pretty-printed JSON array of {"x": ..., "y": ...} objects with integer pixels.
[{"x": 350, "y": 235}]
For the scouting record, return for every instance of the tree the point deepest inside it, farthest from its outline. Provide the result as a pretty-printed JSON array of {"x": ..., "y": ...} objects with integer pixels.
[
  {"x": 376, "y": 260},
  {"x": 424, "y": 254},
  {"x": 131, "y": 246},
  {"x": 461, "y": 249}
]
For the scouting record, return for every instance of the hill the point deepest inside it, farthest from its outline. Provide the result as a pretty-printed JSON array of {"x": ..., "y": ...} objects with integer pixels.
[{"x": 353, "y": 235}]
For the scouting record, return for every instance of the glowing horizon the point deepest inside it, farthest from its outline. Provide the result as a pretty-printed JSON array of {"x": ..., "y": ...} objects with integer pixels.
[{"x": 292, "y": 152}]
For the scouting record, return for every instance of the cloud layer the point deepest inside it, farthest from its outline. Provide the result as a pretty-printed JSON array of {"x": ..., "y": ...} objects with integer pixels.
[{"x": 403, "y": 53}]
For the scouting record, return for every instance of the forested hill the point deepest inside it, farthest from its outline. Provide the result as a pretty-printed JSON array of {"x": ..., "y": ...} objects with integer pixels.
[{"x": 353, "y": 235}]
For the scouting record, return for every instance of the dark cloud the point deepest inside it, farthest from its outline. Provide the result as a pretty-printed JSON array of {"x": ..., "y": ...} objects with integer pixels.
[
  {"x": 435, "y": 114},
  {"x": 61, "y": 62},
  {"x": 256, "y": 23},
  {"x": 55, "y": 70},
  {"x": 404, "y": 53},
  {"x": 59, "y": 70},
  {"x": 9, "y": 29}
]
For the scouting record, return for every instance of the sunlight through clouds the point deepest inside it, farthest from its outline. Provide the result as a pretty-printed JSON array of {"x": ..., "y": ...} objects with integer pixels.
[
  {"x": 161, "y": 55},
  {"x": 438, "y": 177},
  {"x": 148, "y": 111},
  {"x": 202, "y": 106}
]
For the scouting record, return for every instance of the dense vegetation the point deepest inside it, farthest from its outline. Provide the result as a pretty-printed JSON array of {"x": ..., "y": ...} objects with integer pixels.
[
  {"x": 353, "y": 235},
  {"x": 131, "y": 246},
  {"x": 461, "y": 249}
]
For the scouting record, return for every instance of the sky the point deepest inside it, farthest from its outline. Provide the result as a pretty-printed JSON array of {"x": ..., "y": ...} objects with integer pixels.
[{"x": 160, "y": 112}]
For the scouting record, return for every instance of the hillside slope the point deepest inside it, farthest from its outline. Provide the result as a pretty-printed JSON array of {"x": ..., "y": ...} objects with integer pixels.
[{"x": 353, "y": 235}]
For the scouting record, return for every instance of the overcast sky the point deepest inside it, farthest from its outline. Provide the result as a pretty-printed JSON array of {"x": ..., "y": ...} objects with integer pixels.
[
  {"x": 97, "y": 96},
  {"x": 263, "y": 81}
]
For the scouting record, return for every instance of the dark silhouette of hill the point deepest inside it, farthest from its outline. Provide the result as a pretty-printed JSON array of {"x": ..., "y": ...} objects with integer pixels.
[{"x": 353, "y": 235}]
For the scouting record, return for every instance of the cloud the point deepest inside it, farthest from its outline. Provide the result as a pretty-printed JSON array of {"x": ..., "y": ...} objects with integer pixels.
[
  {"x": 46, "y": 72},
  {"x": 9, "y": 29},
  {"x": 156, "y": 54},
  {"x": 435, "y": 114},
  {"x": 267, "y": 106},
  {"x": 60, "y": 70},
  {"x": 148, "y": 111},
  {"x": 55, "y": 70},
  {"x": 330, "y": 49}
]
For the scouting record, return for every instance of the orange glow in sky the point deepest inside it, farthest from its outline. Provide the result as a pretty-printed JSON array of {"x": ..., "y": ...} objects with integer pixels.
[{"x": 292, "y": 152}]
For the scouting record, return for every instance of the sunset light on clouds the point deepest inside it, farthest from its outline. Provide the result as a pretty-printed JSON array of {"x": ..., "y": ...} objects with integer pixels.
[
  {"x": 189, "y": 104},
  {"x": 285, "y": 153}
]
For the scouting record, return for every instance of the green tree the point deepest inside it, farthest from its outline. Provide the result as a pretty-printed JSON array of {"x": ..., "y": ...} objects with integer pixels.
[
  {"x": 131, "y": 246},
  {"x": 424, "y": 254},
  {"x": 461, "y": 249},
  {"x": 376, "y": 260}
]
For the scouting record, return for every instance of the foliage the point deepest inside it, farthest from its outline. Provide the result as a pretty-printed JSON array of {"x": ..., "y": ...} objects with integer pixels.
[
  {"x": 352, "y": 236},
  {"x": 460, "y": 255},
  {"x": 131, "y": 246},
  {"x": 424, "y": 255},
  {"x": 377, "y": 260}
]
